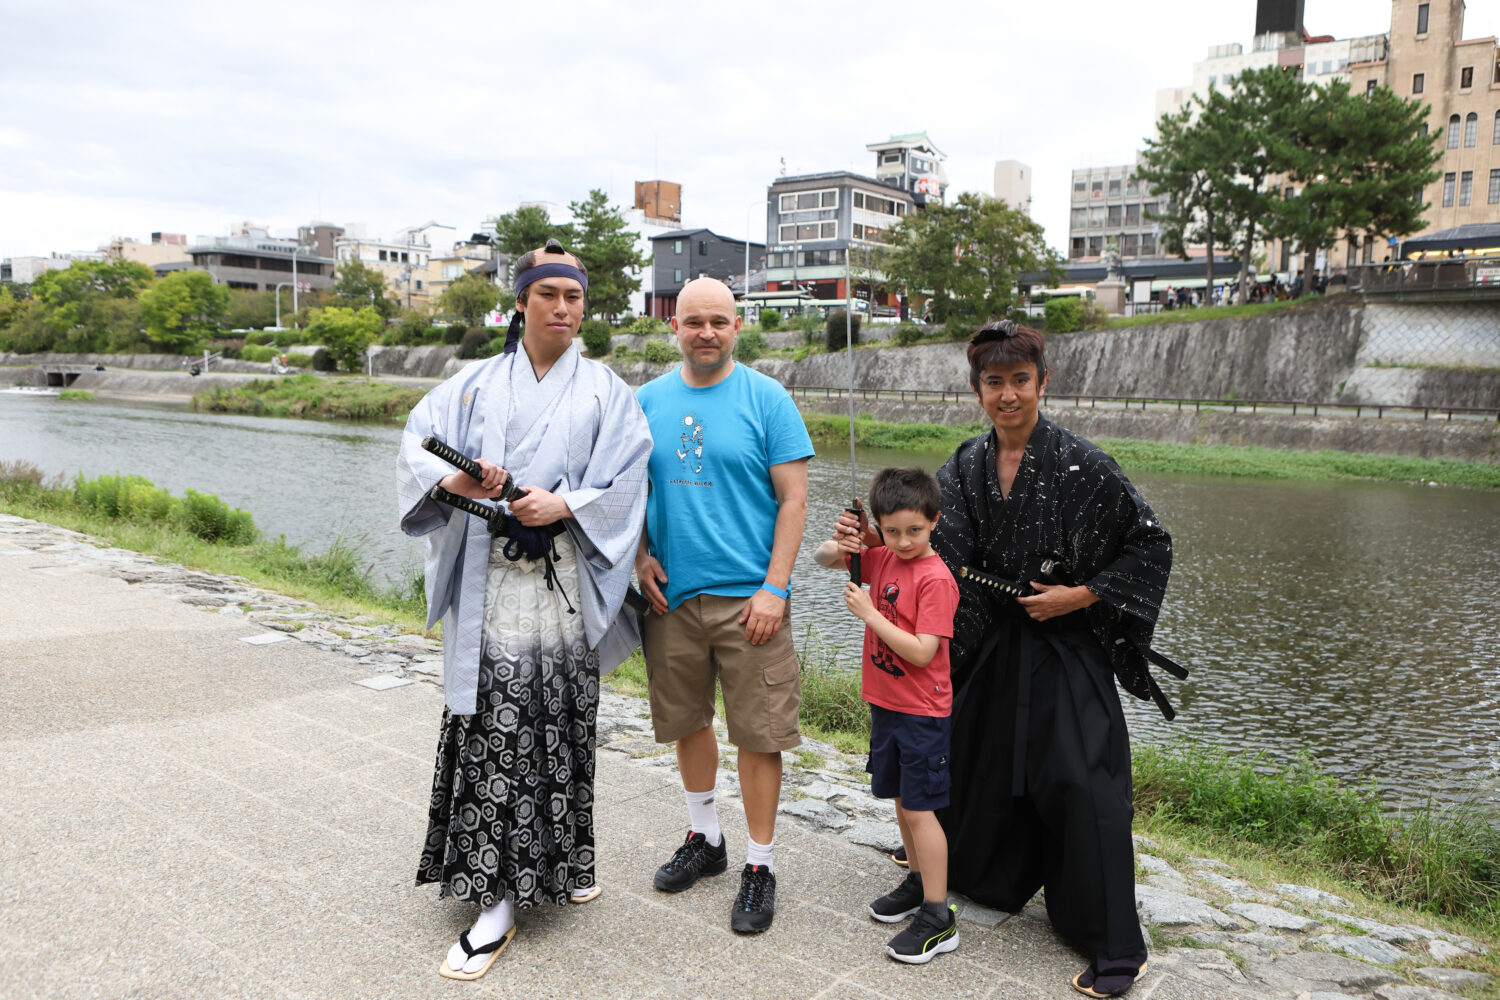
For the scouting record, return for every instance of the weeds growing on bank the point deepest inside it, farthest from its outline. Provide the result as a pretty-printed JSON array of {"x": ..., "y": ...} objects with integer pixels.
[
  {"x": 201, "y": 531},
  {"x": 311, "y": 397},
  {"x": 75, "y": 396},
  {"x": 1443, "y": 860}
]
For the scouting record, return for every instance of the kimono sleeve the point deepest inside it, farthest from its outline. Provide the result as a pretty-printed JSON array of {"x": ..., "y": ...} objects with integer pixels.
[
  {"x": 418, "y": 471},
  {"x": 609, "y": 505},
  {"x": 1119, "y": 522}
]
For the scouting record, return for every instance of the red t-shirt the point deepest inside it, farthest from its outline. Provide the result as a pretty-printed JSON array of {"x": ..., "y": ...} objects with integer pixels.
[{"x": 919, "y": 596}]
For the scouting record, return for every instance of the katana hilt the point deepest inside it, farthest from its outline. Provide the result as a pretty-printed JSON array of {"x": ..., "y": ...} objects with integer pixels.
[{"x": 463, "y": 463}]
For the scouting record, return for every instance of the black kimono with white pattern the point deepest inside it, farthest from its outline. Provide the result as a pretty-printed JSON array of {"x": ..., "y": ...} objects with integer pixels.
[{"x": 1041, "y": 754}]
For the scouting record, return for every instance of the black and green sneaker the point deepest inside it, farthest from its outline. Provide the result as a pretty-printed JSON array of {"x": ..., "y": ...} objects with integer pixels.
[
  {"x": 932, "y": 931},
  {"x": 901, "y": 902}
]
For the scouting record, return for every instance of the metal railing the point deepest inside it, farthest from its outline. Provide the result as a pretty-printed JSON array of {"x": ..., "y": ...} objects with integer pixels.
[
  {"x": 1417, "y": 276},
  {"x": 1291, "y": 406}
]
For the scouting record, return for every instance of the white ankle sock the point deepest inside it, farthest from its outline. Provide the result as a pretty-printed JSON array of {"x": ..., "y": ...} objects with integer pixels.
[
  {"x": 759, "y": 854},
  {"x": 491, "y": 926},
  {"x": 703, "y": 816}
]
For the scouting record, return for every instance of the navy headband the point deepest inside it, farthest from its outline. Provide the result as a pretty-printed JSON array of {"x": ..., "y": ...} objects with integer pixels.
[{"x": 552, "y": 270}]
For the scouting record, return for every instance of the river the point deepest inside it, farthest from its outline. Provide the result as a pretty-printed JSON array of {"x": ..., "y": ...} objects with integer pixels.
[{"x": 1354, "y": 621}]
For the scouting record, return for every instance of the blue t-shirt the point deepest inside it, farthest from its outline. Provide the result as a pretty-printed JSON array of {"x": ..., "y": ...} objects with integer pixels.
[{"x": 711, "y": 515}]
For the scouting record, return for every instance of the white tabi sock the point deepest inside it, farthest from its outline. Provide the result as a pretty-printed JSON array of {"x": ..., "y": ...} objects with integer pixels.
[
  {"x": 759, "y": 854},
  {"x": 491, "y": 926},
  {"x": 703, "y": 816}
]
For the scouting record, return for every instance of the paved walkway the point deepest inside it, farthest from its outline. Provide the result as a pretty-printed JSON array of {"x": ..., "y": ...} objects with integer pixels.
[{"x": 187, "y": 814}]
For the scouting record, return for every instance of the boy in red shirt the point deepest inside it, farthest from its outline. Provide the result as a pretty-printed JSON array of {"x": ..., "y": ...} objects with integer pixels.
[{"x": 908, "y": 616}]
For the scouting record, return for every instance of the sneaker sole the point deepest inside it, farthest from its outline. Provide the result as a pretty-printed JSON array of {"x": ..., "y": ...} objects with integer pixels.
[
  {"x": 950, "y": 944},
  {"x": 720, "y": 870},
  {"x": 892, "y": 918},
  {"x": 748, "y": 929}
]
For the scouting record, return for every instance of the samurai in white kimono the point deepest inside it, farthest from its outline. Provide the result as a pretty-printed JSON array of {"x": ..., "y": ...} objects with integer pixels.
[{"x": 531, "y": 620}]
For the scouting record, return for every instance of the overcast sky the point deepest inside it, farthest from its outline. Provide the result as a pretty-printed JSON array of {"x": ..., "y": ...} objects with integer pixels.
[{"x": 122, "y": 119}]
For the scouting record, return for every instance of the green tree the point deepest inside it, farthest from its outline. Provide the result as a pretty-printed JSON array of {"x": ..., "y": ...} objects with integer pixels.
[
  {"x": 345, "y": 332},
  {"x": 1361, "y": 163},
  {"x": 81, "y": 304},
  {"x": 183, "y": 308},
  {"x": 922, "y": 253},
  {"x": 1183, "y": 166},
  {"x": 469, "y": 298},
  {"x": 358, "y": 285},
  {"x": 528, "y": 228},
  {"x": 251, "y": 310},
  {"x": 999, "y": 244},
  {"x": 608, "y": 250}
]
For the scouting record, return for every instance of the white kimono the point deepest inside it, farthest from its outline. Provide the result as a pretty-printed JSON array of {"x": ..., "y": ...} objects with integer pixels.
[{"x": 588, "y": 443}]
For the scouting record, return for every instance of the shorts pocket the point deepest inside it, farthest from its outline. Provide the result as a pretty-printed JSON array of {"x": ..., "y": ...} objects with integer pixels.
[
  {"x": 783, "y": 697},
  {"x": 938, "y": 778}
]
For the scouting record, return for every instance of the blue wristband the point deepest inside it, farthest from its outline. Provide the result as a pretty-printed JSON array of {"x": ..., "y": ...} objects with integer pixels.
[{"x": 771, "y": 588}]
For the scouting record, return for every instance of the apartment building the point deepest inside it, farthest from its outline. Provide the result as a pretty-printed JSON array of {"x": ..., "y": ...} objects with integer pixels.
[{"x": 1112, "y": 203}]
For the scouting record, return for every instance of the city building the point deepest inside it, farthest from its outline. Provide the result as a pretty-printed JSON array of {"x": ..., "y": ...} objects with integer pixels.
[
  {"x": 26, "y": 269},
  {"x": 660, "y": 201},
  {"x": 680, "y": 255},
  {"x": 815, "y": 221},
  {"x": 164, "y": 248},
  {"x": 250, "y": 258},
  {"x": 475, "y": 255},
  {"x": 1111, "y": 203},
  {"x": 913, "y": 164},
  {"x": 1013, "y": 184},
  {"x": 403, "y": 259}
]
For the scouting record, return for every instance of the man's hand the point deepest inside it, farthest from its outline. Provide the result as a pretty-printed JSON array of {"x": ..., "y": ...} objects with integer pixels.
[
  {"x": 1053, "y": 600},
  {"x": 650, "y": 575},
  {"x": 858, "y": 600},
  {"x": 762, "y": 616},
  {"x": 538, "y": 507},
  {"x": 466, "y": 486}
]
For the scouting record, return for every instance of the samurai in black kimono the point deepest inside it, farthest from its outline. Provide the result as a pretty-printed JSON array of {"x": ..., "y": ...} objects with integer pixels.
[{"x": 1040, "y": 752}]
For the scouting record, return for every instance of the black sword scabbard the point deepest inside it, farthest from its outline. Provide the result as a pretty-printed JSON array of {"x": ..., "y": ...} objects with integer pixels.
[{"x": 488, "y": 512}]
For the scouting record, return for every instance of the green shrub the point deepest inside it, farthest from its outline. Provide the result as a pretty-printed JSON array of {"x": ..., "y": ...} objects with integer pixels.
[
  {"x": 647, "y": 326},
  {"x": 490, "y": 347},
  {"x": 1063, "y": 315},
  {"x": 836, "y": 337},
  {"x": 1092, "y": 316},
  {"x": 213, "y": 520},
  {"x": 749, "y": 346},
  {"x": 770, "y": 319},
  {"x": 454, "y": 333},
  {"x": 144, "y": 503},
  {"x": 260, "y": 353},
  {"x": 75, "y": 395},
  {"x": 596, "y": 337},
  {"x": 908, "y": 334},
  {"x": 299, "y": 360},
  {"x": 286, "y": 338},
  {"x": 958, "y": 331},
  {"x": 662, "y": 352},
  {"x": 472, "y": 341},
  {"x": 101, "y": 495},
  {"x": 323, "y": 360},
  {"x": 259, "y": 337}
]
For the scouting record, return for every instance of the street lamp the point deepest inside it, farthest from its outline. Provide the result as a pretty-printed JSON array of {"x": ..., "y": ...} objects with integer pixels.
[{"x": 295, "y": 252}]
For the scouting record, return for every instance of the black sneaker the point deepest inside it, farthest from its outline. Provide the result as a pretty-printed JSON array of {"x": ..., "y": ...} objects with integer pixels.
[
  {"x": 901, "y": 902},
  {"x": 927, "y": 935},
  {"x": 694, "y": 858},
  {"x": 756, "y": 903}
]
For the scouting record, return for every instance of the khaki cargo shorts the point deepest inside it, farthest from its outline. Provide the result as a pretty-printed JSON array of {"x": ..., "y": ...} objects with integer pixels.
[{"x": 702, "y": 639}]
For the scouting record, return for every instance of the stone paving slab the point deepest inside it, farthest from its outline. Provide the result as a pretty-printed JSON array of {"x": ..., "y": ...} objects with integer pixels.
[{"x": 191, "y": 815}]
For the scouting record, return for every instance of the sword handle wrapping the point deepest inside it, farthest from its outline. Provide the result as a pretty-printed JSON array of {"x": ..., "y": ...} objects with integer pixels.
[
  {"x": 994, "y": 582},
  {"x": 462, "y": 463},
  {"x": 855, "y": 570},
  {"x": 465, "y": 504}
]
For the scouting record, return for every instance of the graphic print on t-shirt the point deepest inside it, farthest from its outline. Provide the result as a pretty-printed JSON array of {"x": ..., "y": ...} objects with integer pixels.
[
  {"x": 690, "y": 449},
  {"x": 882, "y": 658}
]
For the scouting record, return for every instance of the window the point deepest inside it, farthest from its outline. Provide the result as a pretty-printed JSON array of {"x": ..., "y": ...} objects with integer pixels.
[
  {"x": 1327, "y": 65},
  {"x": 1132, "y": 186},
  {"x": 1369, "y": 87},
  {"x": 1368, "y": 257},
  {"x": 1148, "y": 244},
  {"x": 451, "y": 271},
  {"x": 1422, "y": 129},
  {"x": 1471, "y": 129},
  {"x": 1114, "y": 187},
  {"x": 1076, "y": 249},
  {"x": 677, "y": 275},
  {"x": 1422, "y": 18},
  {"x": 1453, "y": 132},
  {"x": 1080, "y": 217},
  {"x": 1096, "y": 216},
  {"x": 1448, "y": 180},
  {"x": 878, "y": 205},
  {"x": 1132, "y": 215},
  {"x": 1212, "y": 81},
  {"x": 1349, "y": 255},
  {"x": 1465, "y": 186},
  {"x": 677, "y": 246},
  {"x": 1078, "y": 187},
  {"x": 1114, "y": 215},
  {"x": 1132, "y": 245},
  {"x": 1417, "y": 82},
  {"x": 703, "y": 248},
  {"x": 419, "y": 284},
  {"x": 382, "y": 255},
  {"x": 804, "y": 200},
  {"x": 799, "y": 231},
  {"x": 890, "y": 158},
  {"x": 1494, "y": 187},
  {"x": 1466, "y": 78},
  {"x": 1096, "y": 245},
  {"x": 1096, "y": 189},
  {"x": 1495, "y": 139}
]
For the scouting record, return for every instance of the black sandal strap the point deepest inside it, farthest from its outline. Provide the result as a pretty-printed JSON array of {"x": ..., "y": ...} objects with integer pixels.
[{"x": 463, "y": 942}]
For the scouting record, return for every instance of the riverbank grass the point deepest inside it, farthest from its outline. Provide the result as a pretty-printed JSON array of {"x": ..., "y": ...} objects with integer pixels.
[{"x": 311, "y": 397}]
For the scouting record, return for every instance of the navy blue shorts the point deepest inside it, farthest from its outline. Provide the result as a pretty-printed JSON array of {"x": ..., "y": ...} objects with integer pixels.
[{"x": 909, "y": 759}]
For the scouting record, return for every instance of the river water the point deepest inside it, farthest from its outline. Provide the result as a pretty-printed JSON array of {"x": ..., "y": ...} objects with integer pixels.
[{"x": 1354, "y": 621}]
